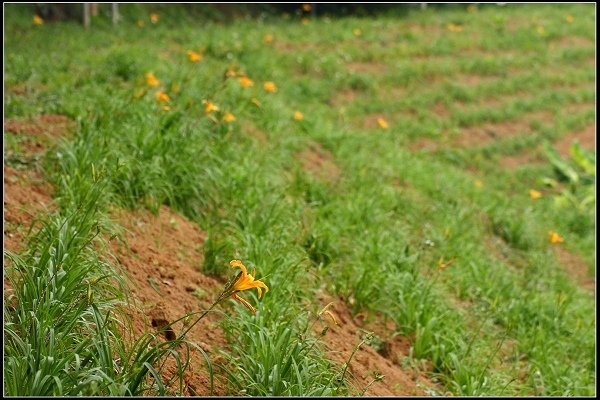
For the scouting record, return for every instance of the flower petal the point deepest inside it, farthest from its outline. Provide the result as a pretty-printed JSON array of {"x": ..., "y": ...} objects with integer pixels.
[{"x": 238, "y": 263}]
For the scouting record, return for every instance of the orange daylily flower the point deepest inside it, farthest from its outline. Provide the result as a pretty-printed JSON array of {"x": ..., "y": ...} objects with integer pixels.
[
  {"x": 193, "y": 56},
  {"x": 151, "y": 79},
  {"x": 228, "y": 117},
  {"x": 534, "y": 194},
  {"x": 245, "y": 81},
  {"x": 245, "y": 280},
  {"x": 154, "y": 18},
  {"x": 305, "y": 21},
  {"x": 270, "y": 87},
  {"x": 298, "y": 116},
  {"x": 37, "y": 20},
  {"x": 382, "y": 123},
  {"x": 209, "y": 106},
  {"x": 555, "y": 237},
  {"x": 162, "y": 97},
  {"x": 306, "y": 7}
]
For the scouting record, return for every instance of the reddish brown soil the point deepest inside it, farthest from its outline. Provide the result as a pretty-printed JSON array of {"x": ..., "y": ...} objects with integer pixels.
[
  {"x": 576, "y": 268},
  {"x": 586, "y": 138},
  {"x": 577, "y": 108},
  {"x": 37, "y": 133},
  {"x": 319, "y": 163},
  {"x": 344, "y": 97},
  {"x": 50, "y": 124},
  {"x": 255, "y": 132},
  {"x": 374, "y": 68},
  {"x": 341, "y": 339},
  {"x": 441, "y": 110},
  {"x": 162, "y": 260},
  {"x": 25, "y": 197},
  {"x": 480, "y": 135},
  {"x": 474, "y": 79},
  {"x": 526, "y": 157},
  {"x": 572, "y": 41}
]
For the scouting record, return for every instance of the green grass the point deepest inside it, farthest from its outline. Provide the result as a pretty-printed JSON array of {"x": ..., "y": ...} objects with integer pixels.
[{"x": 503, "y": 319}]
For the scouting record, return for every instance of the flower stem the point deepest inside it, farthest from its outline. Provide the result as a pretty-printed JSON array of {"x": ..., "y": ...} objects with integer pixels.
[{"x": 182, "y": 334}]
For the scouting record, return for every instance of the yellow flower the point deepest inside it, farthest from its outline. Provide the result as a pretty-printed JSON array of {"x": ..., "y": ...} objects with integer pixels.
[
  {"x": 357, "y": 32},
  {"x": 540, "y": 30},
  {"x": 306, "y": 7},
  {"x": 534, "y": 194},
  {"x": 270, "y": 87},
  {"x": 555, "y": 237},
  {"x": 162, "y": 97},
  {"x": 478, "y": 183},
  {"x": 245, "y": 280},
  {"x": 154, "y": 18},
  {"x": 382, "y": 123},
  {"x": 166, "y": 108},
  {"x": 228, "y": 117},
  {"x": 570, "y": 19},
  {"x": 298, "y": 116},
  {"x": 151, "y": 79},
  {"x": 268, "y": 38},
  {"x": 37, "y": 20},
  {"x": 209, "y": 106},
  {"x": 455, "y": 28},
  {"x": 140, "y": 23},
  {"x": 305, "y": 21},
  {"x": 245, "y": 82},
  {"x": 193, "y": 56}
]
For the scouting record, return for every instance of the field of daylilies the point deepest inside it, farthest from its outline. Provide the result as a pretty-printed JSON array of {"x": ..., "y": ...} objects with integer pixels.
[{"x": 203, "y": 200}]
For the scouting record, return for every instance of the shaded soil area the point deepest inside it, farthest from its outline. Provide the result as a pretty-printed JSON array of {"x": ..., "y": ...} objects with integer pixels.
[
  {"x": 161, "y": 257},
  {"x": 371, "y": 360}
]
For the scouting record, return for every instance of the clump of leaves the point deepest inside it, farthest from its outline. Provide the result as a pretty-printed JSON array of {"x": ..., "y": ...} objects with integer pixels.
[{"x": 577, "y": 176}]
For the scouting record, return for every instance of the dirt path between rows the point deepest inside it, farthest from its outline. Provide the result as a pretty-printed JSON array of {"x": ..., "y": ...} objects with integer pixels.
[
  {"x": 162, "y": 255},
  {"x": 341, "y": 339}
]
